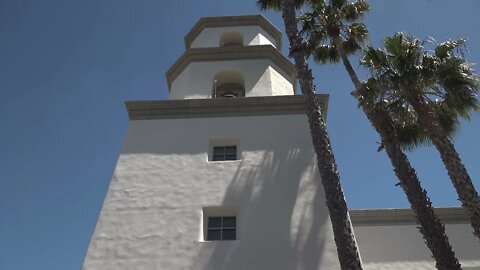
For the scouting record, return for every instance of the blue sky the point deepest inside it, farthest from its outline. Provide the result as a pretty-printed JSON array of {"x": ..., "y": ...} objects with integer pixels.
[{"x": 66, "y": 68}]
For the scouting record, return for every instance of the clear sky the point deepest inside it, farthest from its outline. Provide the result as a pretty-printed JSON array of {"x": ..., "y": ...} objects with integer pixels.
[{"x": 66, "y": 68}]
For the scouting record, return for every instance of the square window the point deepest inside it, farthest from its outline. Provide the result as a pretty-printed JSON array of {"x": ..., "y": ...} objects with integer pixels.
[
  {"x": 222, "y": 153},
  {"x": 214, "y": 234},
  {"x": 219, "y": 223},
  {"x": 221, "y": 228}
]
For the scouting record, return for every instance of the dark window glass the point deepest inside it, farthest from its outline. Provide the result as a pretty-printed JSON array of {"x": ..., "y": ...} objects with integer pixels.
[
  {"x": 221, "y": 228},
  {"x": 215, "y": 222},
  {"x": 221, "y": 153},
  {"x": 214, "y": 234},
  {"x": 228, "y": 234},
  {"x": 230, "y": 149},
  {"x": 230, "y": 157},
  {"x": 229, "y": 222}
]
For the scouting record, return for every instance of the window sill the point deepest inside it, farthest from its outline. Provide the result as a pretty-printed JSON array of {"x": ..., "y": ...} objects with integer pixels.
[
  {"x": 223, "y": 161},
  {"x": 217, "y": 241}
]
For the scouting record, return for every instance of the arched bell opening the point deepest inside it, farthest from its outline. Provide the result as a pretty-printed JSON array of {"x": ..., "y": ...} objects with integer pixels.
[
  {"x": 231, "y": 39},
  {"x": 228, "y": 84}
]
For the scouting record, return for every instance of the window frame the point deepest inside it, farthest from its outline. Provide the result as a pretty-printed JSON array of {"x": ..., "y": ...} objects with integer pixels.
[
  {"x": 225, "y": 153},
  {"x": 221, "y": 227},
  {"x": 219, "y": 142},
  {"x": 208, "y": 212}
]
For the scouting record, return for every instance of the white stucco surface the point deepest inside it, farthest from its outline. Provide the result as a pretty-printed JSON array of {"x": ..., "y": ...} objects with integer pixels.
[
  {"x": 252, "y": 35},
  {"x": 402, "y": 247},
  {"x": 262, "y": 78},
  {"x": 152, "y": 214}
]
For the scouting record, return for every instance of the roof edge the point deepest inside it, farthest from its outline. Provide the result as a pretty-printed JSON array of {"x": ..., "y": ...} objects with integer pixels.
[
  {"x": 405, "y": 216},
  {"x": 225, "y": 21}
]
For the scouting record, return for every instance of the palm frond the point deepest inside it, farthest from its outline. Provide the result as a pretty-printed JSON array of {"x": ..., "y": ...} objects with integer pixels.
[
  {"x": 334, "y": 20},
  {"x": 411, "y": 135},
  {"x": 277, "y": 4},
  {"x": 357, "y": 31},
  {"x": 350, "y": 46},
  {"x": 338, "y": 3},
  {"x": 269, "y": 4},
  {"x": 354, "y": 11},
  {"x": 443, "y": 77},
  {"x": 362, "y": 6},
  {"x": 445, "y": 49},
  {"x": 326, "y": 54},
  {"x": 393, "y": 45},
  {"x": 373, "y": 58}
]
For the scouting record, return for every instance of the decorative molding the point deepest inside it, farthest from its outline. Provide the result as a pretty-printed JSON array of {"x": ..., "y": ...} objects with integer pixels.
[
  {"x": 385, "y": 217},
  {"x": 221, "y": 107},
  {"x": 225, "y": 21},
  {"x": 230, "y": 53}
]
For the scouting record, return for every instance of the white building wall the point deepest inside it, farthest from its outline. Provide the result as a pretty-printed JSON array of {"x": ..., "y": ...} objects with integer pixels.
[
  {"x": 151, "y": 217},
  {"x": 402, "y": 247},
  {"x": 196, "y": 80},
  {"x": 252, "y": 35}
]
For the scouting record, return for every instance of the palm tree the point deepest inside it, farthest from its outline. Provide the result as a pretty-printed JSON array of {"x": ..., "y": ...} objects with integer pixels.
[
  {"x": 422, "y": 81},
  {"x": 334, "y": 31},
  {"x": 348, "y": 254},
  {"x": 385, "y": 123}
]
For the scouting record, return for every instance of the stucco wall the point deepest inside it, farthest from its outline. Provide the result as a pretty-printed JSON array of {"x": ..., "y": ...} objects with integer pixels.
[
  {"x": 151, "y": 218},
  {"x": 402, "y": 247},
  {"x": 252, "y": 35},
  {"x": 196, "y": 80}
]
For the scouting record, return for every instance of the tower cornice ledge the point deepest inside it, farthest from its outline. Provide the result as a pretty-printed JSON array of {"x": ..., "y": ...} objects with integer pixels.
[
  {"x": 221, "y": 107},
  {"x": 226, "y": 21},
  {"x": 230, "y": 53}
]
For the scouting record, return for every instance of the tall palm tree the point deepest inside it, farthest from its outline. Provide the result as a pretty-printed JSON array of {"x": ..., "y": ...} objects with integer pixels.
[
  {"x": 385, "y": 123},
  {"x": 421, "y": 81},
  {"x": 334, "y": 31},
  {"x": 348, "y": 254}
]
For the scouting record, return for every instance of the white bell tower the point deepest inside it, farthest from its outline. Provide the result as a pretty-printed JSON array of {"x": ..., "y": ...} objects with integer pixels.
[
  {"x": 221, "y": 175},
  {"x": 240, "y": 57}
]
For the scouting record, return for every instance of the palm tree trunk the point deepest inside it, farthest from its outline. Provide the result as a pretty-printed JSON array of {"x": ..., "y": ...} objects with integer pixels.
[
  {"x": 348, "y": 67},
  {"x": 348, "y": 254},
  {"x": 431, "y": 227},
  {"x": 456, "y": 170}
]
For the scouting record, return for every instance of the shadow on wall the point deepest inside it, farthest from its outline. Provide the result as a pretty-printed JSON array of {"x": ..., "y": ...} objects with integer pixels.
[{"x": 281, "y": 220}]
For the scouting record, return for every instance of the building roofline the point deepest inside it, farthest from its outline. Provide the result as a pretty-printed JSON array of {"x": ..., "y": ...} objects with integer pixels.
[
  {"x": 405, "y": 216},
  {"x": 221, "y": 107},
  {"x": 230, "y": 53},
  {"x": 225, "y": 21}
]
